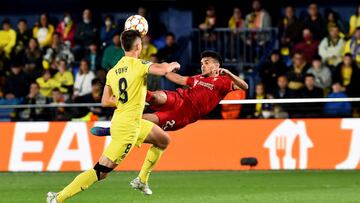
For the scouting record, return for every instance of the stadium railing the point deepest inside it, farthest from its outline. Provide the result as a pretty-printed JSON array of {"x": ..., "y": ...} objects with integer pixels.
[
  {"x": 238, "y": 47},
  {"x": 269, "y": 108}
]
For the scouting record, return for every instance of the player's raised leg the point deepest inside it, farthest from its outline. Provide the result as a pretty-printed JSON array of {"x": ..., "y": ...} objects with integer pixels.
[
  {"x": 156, "y": 98},
  {"x": 104, "y": 131}
]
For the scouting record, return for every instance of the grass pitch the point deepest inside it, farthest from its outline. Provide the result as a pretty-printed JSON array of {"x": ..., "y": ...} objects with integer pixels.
[{"x": 184, "y": 187}]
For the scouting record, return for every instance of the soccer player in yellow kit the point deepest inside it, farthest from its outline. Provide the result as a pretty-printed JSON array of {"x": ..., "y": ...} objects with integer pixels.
[{"x": 126, "y": 89}]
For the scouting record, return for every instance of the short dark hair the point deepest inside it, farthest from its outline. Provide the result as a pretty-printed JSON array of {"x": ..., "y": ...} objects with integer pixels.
[
  {"x": 128, "y": 38},
  {"x": 348, "y": 54},
  {"x": 35, "y": 83},
  {"x": 317, "y": 57},
  {"x": 310, "y": 75},
  {"x": 96, "y": 81},
  {"x": 170, "y": 34},
  {"x": 56, "y": 90},
  {"x": 213, "y": 55},
  {"x": 22, "y": 20},
  {"x": 6, "y": 21}
]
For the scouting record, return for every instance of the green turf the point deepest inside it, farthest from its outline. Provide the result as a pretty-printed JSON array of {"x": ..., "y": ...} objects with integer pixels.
[{"x": 222, "y": 186}]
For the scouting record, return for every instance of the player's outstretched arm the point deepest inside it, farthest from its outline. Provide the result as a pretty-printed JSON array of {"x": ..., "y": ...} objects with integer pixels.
[
  {"x": 176, "y": 78},
  {"x": 108, "y": 100},
  {"x": 162, "y": 69},
  {"x": 238, "y": 83}
]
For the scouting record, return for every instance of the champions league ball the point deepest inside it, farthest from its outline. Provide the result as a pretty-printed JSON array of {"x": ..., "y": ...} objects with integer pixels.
[{"x": 137, "y": 22}]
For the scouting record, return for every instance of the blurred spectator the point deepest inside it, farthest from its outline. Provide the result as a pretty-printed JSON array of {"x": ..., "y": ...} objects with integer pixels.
[
  {"x": 333, "y": 20},
  {"x": 34, "y": 97},
  {"x": 315, "y": 22},
  {"x": 352, "y": 46},
  {"x": 170, "y": 51},
  {"x": 65, "y": 78},
  {"x": 331, "y": 47},
  {"x": 255, "y": 110},
  {"x": 142, "y": 11},
  {"x": 282, "y": 92},
  {"x": 308, "y": 46},
  {"x": 66, "y": 29},
  {"x": 158, "y": 29},
  {"x": 43, "y": 31},
  {"x": 258, "y": 18},
  {"x": 271, "y": 70},
  {"x": 235, "y": 20},
  {"x": 297, "y": 72},
  {"x": 47, "y": 84},
  {"x": 93, "y": 97},
  {"x": 33, "y": 58},
  {"x": 354, "y": 21},
  {"x": 112, "y": 53},
  {"x": 23, "y": 35},
  {"x": 108, "y": 31},
  {"x": 148, "y": 48},
  {"x": 209, "y": 24},
  {"x": 321, "y": 73},
  {"x": 86, "y": 31},
  {"x": 101, "y": 75},
  {"x": 17, "y": 83},
  {"x": 310, "y": 91},
  {"x": 8, "y": 114},
  {"x": 57, "y": 51},
  {"x": 290, "y": 28},
  {"x": 7, "y": 38},
  {"x": 83, "y": 79},
  {"x": 59, "y": 113},
  {"x": 337, "y": 109},
  {"x": 94, "y": 57},
  {"x": 347, "y": 75}
]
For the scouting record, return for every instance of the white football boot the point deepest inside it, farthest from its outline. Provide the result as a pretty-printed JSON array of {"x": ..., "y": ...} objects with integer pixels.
[
  {"x": 138, "y": 185},
  {"x": 51, "y": 197}
]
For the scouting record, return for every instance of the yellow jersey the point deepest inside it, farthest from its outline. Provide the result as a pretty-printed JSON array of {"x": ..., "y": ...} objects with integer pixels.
[
  {"x": 64, "y": 79},
  {"x": 127, "y": 80}
]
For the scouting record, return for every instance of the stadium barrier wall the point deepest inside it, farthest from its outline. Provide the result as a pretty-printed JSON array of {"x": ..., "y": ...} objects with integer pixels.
[{"x": 204, "y": 145}]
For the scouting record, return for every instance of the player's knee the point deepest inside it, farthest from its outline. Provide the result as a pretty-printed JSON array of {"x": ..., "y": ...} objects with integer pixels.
[
  {"x": 101, "y": 171},
  {"x": 158, "y": 97},
  {"x": 165, "y": 141}
]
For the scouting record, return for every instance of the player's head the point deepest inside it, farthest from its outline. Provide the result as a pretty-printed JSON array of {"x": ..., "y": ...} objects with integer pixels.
[
  {"x": 210, "y": 63},
  {"x": 131, "y": 41}
]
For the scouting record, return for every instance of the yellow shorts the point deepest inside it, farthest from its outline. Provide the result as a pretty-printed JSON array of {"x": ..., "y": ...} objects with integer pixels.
[{"x": 123, "y": 140}]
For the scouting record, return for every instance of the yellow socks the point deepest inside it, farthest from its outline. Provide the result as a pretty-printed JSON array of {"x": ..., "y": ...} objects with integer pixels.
[
  {"x": 152, "y": 158},
  {"x": 80, "y": 183}
]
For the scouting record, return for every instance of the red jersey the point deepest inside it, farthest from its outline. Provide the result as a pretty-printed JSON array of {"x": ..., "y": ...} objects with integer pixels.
[{"x": 204, "y": 93}]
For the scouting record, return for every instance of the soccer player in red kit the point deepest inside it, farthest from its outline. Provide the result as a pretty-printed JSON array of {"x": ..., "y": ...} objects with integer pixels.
[{"x": 176, "y": 109}]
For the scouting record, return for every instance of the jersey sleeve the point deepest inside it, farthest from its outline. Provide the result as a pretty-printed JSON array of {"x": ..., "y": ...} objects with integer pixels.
[
  {"x": 191, "y": 80},
  {"x": 228, "y": 84},
  {"x": 145, "y": 65},
  {"x": 108, "y": 78}
]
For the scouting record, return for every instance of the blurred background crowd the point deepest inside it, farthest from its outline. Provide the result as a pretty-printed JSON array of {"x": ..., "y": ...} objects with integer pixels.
[{"x": 64, "y": 58}]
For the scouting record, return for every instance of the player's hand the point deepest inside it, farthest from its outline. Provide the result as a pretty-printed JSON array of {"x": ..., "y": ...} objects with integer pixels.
[
  {"x": 174, "y": 66},
  {"x": 223, "y": 71}
]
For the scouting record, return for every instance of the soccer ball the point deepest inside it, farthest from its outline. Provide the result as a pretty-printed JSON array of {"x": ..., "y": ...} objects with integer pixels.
[{"x": 137, "y": 22}]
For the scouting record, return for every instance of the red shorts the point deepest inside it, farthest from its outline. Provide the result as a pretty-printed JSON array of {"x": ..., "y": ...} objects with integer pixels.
[{"x": 175, "y": 113}]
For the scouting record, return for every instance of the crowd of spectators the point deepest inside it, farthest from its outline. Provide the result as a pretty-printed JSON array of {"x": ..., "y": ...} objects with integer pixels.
[
  {"x": 67, "y": 62},
  {"x": 318, "y": 58}
]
